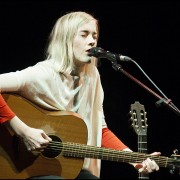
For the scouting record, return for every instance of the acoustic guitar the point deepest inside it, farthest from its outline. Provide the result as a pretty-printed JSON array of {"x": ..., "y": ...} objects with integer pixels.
[{"x": 64, "y": 156}]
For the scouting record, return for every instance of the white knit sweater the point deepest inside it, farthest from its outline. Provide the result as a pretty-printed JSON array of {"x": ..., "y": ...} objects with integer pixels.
[{"x": 54, "y": 91}]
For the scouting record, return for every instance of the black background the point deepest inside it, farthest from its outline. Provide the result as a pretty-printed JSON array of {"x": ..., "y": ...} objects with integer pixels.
[{"x": 148, "y": 32}]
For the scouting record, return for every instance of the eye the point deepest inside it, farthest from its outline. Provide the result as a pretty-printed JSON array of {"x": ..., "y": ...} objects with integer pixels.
[
  {"x": 95, "y": 37},
  {"x": 83, "y": 34}
]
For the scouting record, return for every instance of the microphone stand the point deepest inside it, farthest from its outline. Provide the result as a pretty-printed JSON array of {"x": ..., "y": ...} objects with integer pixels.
[{"x": 164, "y": 101}]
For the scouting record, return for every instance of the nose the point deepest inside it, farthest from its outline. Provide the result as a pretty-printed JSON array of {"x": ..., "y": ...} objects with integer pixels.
[{"x": 92, "y": 40}]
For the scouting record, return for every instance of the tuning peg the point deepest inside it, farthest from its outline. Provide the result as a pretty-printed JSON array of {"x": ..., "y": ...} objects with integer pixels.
[
  {"x": 175, "y": 151},
  {"x": 173, "y": 170}
]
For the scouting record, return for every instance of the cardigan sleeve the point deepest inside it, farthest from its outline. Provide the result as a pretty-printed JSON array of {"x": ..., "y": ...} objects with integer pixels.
[
  {"x": 5, "y": 112},
  {"x": 109, "y": 140}
]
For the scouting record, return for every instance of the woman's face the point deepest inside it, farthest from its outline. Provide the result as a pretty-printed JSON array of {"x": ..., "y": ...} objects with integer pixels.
[{"x": 85, "y": 39}]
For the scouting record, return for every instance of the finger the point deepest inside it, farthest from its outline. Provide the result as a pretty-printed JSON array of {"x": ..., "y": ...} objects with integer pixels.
[
  {"x": 156, "y": 153},
  {"x": 154, "y": 166},
  {"x": 45, "y": 136},
  {"x": 30, "y": 148},
  {"x": 143, "y": 170},
  {"x": 33, "y": 144},
  {"x": 151, "y": 165},
  {"x": 41, "y": 148},
  {"x": 27, "y": 146},
  {"x": 39, "y": 140},
  {"x": 146, "y": 167}
]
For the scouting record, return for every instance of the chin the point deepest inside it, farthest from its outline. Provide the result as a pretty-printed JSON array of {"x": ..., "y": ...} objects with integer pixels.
[{"x": 89, "y": 61}]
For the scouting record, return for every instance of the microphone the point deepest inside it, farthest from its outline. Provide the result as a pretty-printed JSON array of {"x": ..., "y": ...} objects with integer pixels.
[{"x": 101, "y": 53}]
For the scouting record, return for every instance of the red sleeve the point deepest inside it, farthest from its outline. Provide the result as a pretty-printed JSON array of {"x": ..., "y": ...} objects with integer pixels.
[
  {"x": 5, "y": 112},
  {"x": 109, "y": 140}
]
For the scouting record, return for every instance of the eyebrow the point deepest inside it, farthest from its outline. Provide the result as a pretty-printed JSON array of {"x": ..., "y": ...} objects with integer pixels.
[{"x": 86, "y": 31}]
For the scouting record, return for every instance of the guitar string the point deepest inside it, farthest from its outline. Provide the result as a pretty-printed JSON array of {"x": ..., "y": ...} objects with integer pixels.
[
  {"x": 142, "y": 143},
  {"x": 103, "y": 152}
]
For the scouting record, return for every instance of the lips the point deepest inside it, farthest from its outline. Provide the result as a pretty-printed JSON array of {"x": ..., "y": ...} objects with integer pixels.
[{"x": 88, "y": 52}]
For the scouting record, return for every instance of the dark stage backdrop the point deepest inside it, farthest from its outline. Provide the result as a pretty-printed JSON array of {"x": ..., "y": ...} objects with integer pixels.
[{"x": 147, "y": 32}]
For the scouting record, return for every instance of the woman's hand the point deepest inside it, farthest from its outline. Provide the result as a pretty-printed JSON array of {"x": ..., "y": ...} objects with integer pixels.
[
  {"x": 148, "y": 165},
  {"x": 34, "y": 139}
]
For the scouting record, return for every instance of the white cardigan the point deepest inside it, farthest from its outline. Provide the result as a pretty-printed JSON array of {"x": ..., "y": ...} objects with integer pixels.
[{"x": 51, "y": 90}]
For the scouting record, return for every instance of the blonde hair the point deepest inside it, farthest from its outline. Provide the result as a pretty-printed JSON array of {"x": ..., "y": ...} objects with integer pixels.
[{"x": 60, "y": 48}]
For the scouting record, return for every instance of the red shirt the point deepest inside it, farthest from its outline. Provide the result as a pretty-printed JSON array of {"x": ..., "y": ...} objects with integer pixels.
[{"x": 5, "y": 112}]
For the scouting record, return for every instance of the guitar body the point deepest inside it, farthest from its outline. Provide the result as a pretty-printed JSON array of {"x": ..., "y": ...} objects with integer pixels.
[{"x": 18, "y": 163}]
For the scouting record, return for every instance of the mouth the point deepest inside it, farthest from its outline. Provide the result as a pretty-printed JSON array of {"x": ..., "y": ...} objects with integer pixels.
[{"x": 89, "y": 52}]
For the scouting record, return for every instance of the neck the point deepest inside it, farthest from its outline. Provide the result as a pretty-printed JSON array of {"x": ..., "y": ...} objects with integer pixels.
[{"x": 78, "y": 70}]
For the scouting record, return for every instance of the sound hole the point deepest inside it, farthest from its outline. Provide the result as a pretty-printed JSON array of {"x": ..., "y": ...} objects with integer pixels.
[{"x": 54, "y": 148}]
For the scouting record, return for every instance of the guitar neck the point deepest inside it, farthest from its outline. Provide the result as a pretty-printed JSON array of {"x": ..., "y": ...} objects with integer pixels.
[
  {"x": 142, "y": 143},
  {"x": 142, "y": 148},
  {"x": 86, "y": 151},
  {"x": 138, "y": 117}
]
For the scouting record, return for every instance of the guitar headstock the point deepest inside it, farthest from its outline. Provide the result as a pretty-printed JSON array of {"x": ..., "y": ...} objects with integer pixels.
[
  {"x": 174, "y": 164},
  {"x": 138, "y": 118}
]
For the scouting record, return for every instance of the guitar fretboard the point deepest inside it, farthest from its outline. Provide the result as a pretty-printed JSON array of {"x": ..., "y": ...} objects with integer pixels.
[{"x": 86, "y": 151}]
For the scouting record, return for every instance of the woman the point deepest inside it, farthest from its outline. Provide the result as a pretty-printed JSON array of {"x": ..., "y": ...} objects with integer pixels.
[{"x": 68, "y": 79}]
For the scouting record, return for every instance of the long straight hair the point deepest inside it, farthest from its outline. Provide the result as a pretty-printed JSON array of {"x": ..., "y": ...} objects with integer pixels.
[{"x": 60, "y": 47}]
